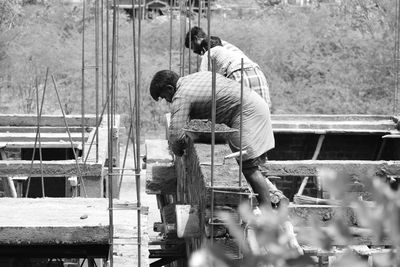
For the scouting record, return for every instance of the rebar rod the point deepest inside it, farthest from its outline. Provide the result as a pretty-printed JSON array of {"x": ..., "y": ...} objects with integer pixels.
[
  {"x": 127, "y": 142},
  {"x": 213, "y": 119},
  {"x": 132, "y": 112},
  {"x": 241, "y": 124},
  {"x": 102, "y": 50},
  {"x": 199, "y": 25},
  {"x": 40, "y": 139},
  {"x": 137, "y": 104},
  {"x": 209, "y": 33},
  {"x": 116, "y": 61},
  {"x": 110, "y": 203},
  {"x": 181, "y": 53},
  {"x": 36, "y": 137},
  {"x": 96, "y": 33},
  {"x": 69, "y": 136},
  {"x": 83, "y": 76},
  {"x": 397, "y": 58},
  {"x": 190, "y": 37},
  {"x": 170, "y": 33},
  {"x": 97, "y": 127}
]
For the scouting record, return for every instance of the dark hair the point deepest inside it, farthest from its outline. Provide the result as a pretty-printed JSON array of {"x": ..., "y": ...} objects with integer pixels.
[
  {"x": 195, "y": 32},
  {"x": 160, "y": 80},
  {"x": 214, "y": 41}
]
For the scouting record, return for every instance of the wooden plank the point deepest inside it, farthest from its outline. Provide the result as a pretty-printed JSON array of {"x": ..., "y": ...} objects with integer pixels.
[
  {"x": 326, "y": 117},
  {"x": 45, "y": 137},
  {"x": 46, "y": 120},
  {"x": 43, "y": 129},
  {"x": 54, "y": 168},
  {"x": 333, "y": 131},
  {"x": 357, "y": 169},
  {"x": 60, "y": 144}
]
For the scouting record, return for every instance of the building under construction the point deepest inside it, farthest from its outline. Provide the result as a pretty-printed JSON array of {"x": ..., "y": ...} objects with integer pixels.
[{"x": 63, "y": 176}]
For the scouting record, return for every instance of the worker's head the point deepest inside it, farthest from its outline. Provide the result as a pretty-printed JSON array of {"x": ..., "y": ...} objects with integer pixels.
[
  {"x": 195, "y": 35},
  {"x": 214, "y": 41},
  {"x": 163, "y": 85}
]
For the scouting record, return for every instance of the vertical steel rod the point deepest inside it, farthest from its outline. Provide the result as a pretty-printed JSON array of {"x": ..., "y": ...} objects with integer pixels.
[
  {"x": 209, "y": 32},
  {"x": 397, "y": 59},
  {"x": 102, "y": 50},
  {"x": 39, "y": 115},
  {"x": 97, "y": 10},
  {"x": 241, "y": 126},
  {"x": 83, "y": 77},
  {"x": 110, "y": 203},
  {"x": 36, "y": 137},
  {"x": 190, "y": 37},
  {"x": 213, "y": 119},
  {"x": 199, "y": 25},
  {"x": 137, "y": 104},
  {"x": 170, "y": 33}
]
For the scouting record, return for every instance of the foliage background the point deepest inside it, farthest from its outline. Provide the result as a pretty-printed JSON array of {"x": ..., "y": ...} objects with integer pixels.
[{"x": 323, "y": 59}]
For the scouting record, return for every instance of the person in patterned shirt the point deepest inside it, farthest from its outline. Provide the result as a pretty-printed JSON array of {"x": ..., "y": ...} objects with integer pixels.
[
  {"x": 253, "y": 76},
  {"x": 191, "y": 98},
  {"x": 196, "y": 35},
  {"x": 229, "y": 64}
]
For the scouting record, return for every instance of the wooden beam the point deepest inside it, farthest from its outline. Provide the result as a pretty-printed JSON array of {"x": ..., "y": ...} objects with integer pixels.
[
  {"x": 54, "y": 168},
  {"x": 319, "y": 130},
  {"x": 43, "y": 144},
  {"x": 44, "y": 129},
  {"x": 45, "y": 137},
  {"x": 46, "y": 120},
  {"x": 315, "y": 117},
  {"x": 358, "y": 169}
]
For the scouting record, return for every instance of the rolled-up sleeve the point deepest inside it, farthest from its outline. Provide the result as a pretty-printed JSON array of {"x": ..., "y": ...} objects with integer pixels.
[{"x": 179, "y": 117}]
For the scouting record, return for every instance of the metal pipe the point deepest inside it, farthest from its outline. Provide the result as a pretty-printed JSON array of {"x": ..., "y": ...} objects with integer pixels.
[
  {"x": 69, "y": 136},
  {"x": 39, "y": 115},
  {"x": 213, "y": 119},
  {"x": 36, "y": 137},
  {"x": 83, "y": 77}
]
